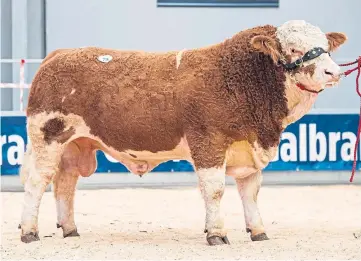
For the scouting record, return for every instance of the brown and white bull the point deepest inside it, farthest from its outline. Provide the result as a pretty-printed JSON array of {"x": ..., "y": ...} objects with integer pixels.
[{"x": 222, "y": 108}]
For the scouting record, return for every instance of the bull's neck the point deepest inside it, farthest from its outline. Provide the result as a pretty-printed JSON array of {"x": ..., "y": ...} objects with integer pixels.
[{"x": 299, "y": 102}]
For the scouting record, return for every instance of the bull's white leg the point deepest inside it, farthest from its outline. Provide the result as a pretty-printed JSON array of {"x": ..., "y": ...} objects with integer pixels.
[
  {"x": 248, "y": 189},
  {"x": 212, "y": 185},
  {"x": 64, "y": 190},
  {"x": 34, "y": 188},
  {"x": 39, "y": 168}
]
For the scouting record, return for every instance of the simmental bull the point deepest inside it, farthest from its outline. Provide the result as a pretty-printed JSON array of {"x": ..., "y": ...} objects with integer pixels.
[{"x": 222, "y": 108}]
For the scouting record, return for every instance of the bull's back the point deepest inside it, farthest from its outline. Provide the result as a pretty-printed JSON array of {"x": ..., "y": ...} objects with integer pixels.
[{"x": 129, "y": 101}]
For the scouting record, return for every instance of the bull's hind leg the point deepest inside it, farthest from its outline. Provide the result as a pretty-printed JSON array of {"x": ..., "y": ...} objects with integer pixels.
[
  {"x": 48, "y": 135},
  {"x": 40, "y": 166},
  {"x": 79, "y": 158},
  {"x": 64, "y": 189},
  {"x": 248, "y": 189}
]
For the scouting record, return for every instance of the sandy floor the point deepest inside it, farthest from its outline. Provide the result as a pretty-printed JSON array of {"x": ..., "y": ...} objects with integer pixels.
[{"x": 302, "y": 222}]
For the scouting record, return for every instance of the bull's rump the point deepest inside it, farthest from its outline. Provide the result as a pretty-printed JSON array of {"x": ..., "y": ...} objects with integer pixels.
[{"x": 129, "y": 102}]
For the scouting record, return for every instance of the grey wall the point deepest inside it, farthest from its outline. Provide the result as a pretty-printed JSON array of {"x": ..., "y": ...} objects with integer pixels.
[
  {"x": 6, "y": 52},
  {"x": 140, "y": 24},
  {"x": 22, "y": 36}
]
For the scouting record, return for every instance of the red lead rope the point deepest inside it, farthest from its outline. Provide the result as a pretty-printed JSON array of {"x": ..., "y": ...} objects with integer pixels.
[{"x": 358, "y": 68}]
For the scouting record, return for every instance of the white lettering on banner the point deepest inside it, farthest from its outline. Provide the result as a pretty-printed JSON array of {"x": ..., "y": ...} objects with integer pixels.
[
  {"x": 2, "y": 142},
  {"x": 314, "y": 145},
  {"x": 334, "y": 137},
  {"x": 310, "y": 145},
  {"x": 314, "y": 138},
  {"x": 303, "y": 142},
  {"x": 348, "y": 148},
  {"x": 16, "y": 152},
  {"x": 289, "y": 149}
]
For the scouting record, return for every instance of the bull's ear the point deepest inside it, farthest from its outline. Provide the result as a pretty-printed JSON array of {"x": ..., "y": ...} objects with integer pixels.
[
  {"x": 335, "y": 40},
  {"x": 266, "y": 45}
]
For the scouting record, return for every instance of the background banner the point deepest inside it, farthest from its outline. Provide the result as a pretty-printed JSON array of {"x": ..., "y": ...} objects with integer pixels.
[{"x": 315, "y": 142}]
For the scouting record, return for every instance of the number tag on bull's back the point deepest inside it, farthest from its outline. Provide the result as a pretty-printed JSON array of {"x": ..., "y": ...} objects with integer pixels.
[{"x": 105, "y": 58}]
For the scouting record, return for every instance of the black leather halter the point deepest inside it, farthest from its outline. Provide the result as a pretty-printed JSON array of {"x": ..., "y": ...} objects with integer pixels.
[{"x": 311, "y": 54}]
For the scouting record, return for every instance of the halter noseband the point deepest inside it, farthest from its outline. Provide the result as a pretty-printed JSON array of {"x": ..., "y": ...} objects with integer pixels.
[{"x": 311, "y": 54}]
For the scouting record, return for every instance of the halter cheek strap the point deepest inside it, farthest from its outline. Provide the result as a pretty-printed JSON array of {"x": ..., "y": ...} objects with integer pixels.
[{"x": 311, "y": 54}]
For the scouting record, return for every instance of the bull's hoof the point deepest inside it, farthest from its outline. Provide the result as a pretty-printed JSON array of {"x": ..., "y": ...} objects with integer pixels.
[
  {"x": 73, "y": 233},
  {"x": 259, "y": 237},
  {"x": 216, "y": 240},
  {"x": 31, "y": 237}
]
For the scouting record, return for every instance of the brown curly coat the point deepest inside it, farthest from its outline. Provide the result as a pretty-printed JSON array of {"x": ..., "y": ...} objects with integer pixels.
[{"x": 145, "y": 101}]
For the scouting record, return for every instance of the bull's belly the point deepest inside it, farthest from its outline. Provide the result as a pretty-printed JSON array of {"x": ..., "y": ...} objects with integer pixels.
[
  {"x": 242, "y": 159},
  {"x": 141, "y": 162},
  {"x": 79, "y": 155}
]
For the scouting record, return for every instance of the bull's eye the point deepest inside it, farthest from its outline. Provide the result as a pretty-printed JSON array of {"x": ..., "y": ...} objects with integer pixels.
[{"x": 293, "y": 50}]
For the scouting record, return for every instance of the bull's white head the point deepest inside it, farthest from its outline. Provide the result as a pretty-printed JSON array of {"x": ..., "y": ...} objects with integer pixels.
[{"x": 299, "y": 40}]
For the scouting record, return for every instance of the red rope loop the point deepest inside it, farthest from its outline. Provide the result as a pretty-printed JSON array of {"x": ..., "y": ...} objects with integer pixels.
[
  {"x": 358, "y": 68},
  {"x": 348, "y": 64}
]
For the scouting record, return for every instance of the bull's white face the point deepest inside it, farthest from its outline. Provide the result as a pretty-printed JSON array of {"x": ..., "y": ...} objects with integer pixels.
[{"x": 297, "y": 38}]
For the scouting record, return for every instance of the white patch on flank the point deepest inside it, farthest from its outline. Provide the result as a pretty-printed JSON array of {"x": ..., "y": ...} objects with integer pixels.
[
  {"x": 179, "y": 57},
  {"x": 62, "y": 100},
  {"x": 72, "y": 91}
]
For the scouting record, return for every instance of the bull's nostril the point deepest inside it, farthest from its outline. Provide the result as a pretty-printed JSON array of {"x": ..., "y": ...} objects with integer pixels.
[{"x": 328, "y": 72}]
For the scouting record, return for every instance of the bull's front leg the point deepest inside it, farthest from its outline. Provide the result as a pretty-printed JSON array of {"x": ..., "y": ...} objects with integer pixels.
[
  {"x": 248, "y": 189},
  {"x": 212, "y": 184},
  {"x": 209, "y": 157}
]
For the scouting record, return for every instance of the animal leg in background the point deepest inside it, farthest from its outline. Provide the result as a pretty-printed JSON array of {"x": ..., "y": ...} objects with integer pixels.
[
  {"x": 64, "y": 189},
  {"x": 248, "y": 189}
]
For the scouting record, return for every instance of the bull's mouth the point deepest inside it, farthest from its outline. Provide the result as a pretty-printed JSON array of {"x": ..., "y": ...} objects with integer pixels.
[
  {"x": 330, "y": 84},
  {"x": 313, "y": 87},
  {"x": 333, "y": 83}
]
